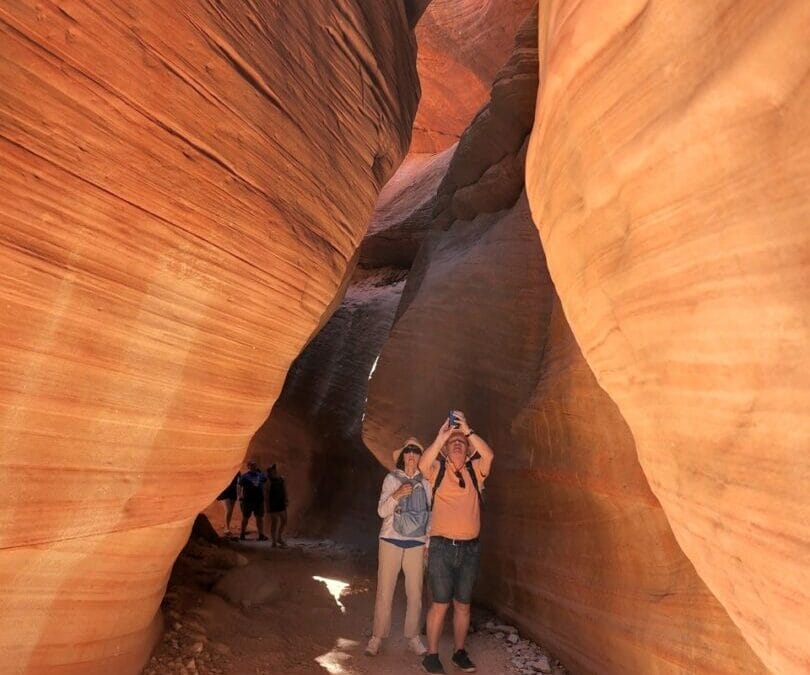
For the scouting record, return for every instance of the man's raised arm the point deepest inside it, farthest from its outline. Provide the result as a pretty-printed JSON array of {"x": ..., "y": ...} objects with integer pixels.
[
  {"x": 477, "y": 443},
  {"x": 432, "y": 452}
]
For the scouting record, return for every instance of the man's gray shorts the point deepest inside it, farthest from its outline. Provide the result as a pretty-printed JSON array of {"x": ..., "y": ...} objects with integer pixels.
[{"x": 452, "y": 569}]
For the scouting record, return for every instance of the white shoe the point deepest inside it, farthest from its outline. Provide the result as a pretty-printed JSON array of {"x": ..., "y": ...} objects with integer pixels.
[
  {"x": 416, "y": 646},
  {"x": 373, "y": 646}
]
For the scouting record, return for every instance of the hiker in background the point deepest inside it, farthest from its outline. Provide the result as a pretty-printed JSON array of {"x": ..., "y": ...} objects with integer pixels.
[
  {"x": 228, "y": 498},
  {"x": 404, "y": 507},
  {"x": 277, "y": 503},
  {"x": 251, "y": 498},
  {"x": 457, "y": 463}
]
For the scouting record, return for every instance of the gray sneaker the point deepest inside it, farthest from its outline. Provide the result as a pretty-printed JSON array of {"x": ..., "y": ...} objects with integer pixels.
[
  {"x": 373, "y": 647},
  {"x": 431, "y": 664},
  {"x": 462, "y": 661}
]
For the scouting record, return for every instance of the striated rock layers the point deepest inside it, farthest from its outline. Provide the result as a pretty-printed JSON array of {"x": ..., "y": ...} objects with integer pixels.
[
  {"x": 577, "y": 550},
  {"x": 668, "y": 174},
  {"x": 462, "y": 44},
  {"x": 314, "y": 429},
  {"x": 184, "y": 185}
]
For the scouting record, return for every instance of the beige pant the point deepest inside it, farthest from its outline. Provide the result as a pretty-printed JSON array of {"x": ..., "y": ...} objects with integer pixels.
[{"x": 392, "y": 559}]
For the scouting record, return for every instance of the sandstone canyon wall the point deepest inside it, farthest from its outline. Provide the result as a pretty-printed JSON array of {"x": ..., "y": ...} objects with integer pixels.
[
  {"x": 313, "y": 432},
  {"x": 462, "y": 44},
  {"x": 577, "y": 549},
  {"x": 668, "y": 176},
  {"x": 184, "y": 187},
  {"x": 314, "y": 429}
]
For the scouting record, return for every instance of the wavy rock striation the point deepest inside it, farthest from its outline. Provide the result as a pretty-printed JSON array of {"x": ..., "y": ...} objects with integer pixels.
[
  {"x": 314, "y": 429},
  {"x": 462, "y": 45},
  {"x": 668, "y": 177},
  {"x": 184, "y": 186},
  {"x": 577, "y": 550}
]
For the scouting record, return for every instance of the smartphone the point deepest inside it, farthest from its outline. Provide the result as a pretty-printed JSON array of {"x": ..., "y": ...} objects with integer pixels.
[{"x": 451, "y": 419}]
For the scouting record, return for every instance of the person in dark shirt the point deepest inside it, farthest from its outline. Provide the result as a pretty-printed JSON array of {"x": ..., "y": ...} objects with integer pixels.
[
  {"x": 252, "y": 498},
  {"x": 277, "y": 506},
  {"x": 228, "y": 498}
]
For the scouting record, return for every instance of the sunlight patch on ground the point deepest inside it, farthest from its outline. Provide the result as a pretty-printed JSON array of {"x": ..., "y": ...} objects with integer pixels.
[
  {"x": 336, "y": 661},
  {"x": 335, "y": 588}
]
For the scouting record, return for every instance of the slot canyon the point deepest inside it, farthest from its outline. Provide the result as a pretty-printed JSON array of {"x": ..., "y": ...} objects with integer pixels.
[{"x": 300, "y": 232}]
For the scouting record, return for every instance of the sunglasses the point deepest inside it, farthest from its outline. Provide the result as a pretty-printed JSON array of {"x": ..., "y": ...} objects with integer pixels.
[
  {"x": 461, "y": 482},
  {"x": 415, "y": 449}
]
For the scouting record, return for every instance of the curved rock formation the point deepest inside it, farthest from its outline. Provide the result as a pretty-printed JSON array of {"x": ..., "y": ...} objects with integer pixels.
[
  {"x": 668, "y": 175},
  {"x": 404, "y": 212},
  {"x": 184, "y": 185},
  {"x": 596, "y": 573},
  {"x": 577, "y": 550},
  {"x": 314, "y": 429},
  {"x": 462, "y": 45}
]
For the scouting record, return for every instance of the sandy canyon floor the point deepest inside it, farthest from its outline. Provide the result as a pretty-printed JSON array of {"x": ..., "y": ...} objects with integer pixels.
[{"x": 245, "y": 608}]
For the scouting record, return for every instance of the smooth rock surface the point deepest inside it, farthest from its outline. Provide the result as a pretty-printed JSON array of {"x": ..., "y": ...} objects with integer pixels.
[
  {"x": 576, "y": 549},
  {"x": 462, "y": 45},
  {"x": 314, "y": 430},
  {"x": 668, "y": 174},
  {"x": 184, "y": 187}
]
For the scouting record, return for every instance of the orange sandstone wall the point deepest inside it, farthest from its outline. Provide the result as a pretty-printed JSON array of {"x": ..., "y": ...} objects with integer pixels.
[
  {"x": 184, "y": 185},
  {"x": 668, "y": 176},
  {"x": 314, "y": 428},
  {"x": 462, "y": 45},
  {"x": 576, "y": 549},
  {"x": 594, "y": 571}
]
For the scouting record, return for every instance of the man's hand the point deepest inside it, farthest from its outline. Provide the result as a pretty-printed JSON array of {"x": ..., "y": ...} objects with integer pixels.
[
  {"x": 404, "y": 490},
  {"x": 432, "y": 452},
  {"x": 462, "y": 422},
  {"x": 444, "y": 432}
]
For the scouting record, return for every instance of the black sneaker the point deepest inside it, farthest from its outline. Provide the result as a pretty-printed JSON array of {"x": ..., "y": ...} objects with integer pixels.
[
  {"x": 462, "y": 661},
  {"x": 262, "y": 537},
  {"x": 431, "y": 664}
]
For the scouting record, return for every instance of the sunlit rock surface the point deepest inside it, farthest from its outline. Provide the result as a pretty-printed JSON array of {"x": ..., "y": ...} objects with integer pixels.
[
  {"x": 184, "y": 185},
  {"x": 577, "y": 550},
  {"x": 314, "y": 429},
  {"x": 404, "y": 212},
  {"x": 669, "y": 173},
  {"x": 462, "y": 45}
]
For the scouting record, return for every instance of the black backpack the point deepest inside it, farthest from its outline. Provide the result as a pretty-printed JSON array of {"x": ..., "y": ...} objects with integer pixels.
[
  {"x": 442, "y": 471},
  {"x": 250, "y": 491}
]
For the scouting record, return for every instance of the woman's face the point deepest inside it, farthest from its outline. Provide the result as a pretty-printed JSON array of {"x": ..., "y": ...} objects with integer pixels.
[{"x": 411, "y": 461}]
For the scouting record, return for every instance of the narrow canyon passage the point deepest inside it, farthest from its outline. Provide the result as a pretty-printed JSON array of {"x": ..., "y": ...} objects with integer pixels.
[{"x": 301, "y": 232}]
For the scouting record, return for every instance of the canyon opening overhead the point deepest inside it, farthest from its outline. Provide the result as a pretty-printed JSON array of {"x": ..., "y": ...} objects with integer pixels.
[{"x": 298, "y": 232}]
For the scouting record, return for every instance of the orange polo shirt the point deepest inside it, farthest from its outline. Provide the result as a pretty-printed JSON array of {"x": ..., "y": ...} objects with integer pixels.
[{"x": 456, "y": 510}]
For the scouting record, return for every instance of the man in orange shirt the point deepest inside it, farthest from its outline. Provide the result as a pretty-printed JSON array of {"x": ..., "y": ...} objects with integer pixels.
[{"x": 456, "y": 464}]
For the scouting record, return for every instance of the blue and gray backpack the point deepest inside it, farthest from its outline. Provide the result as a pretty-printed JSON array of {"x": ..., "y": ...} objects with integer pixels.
[{"x": 413, "y": 512}]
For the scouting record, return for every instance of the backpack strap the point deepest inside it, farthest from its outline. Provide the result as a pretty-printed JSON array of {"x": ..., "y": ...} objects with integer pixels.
[
  {"x": 474, "y": 479},
  {"x": 439, "y": 479}
]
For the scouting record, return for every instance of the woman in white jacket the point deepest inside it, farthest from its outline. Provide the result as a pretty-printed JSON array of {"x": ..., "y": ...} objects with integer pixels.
[{"x": 400, "y": 551}]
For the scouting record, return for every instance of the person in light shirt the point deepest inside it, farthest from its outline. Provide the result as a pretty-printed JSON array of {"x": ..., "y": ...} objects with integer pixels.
[{"x": 404, "y": 507}]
